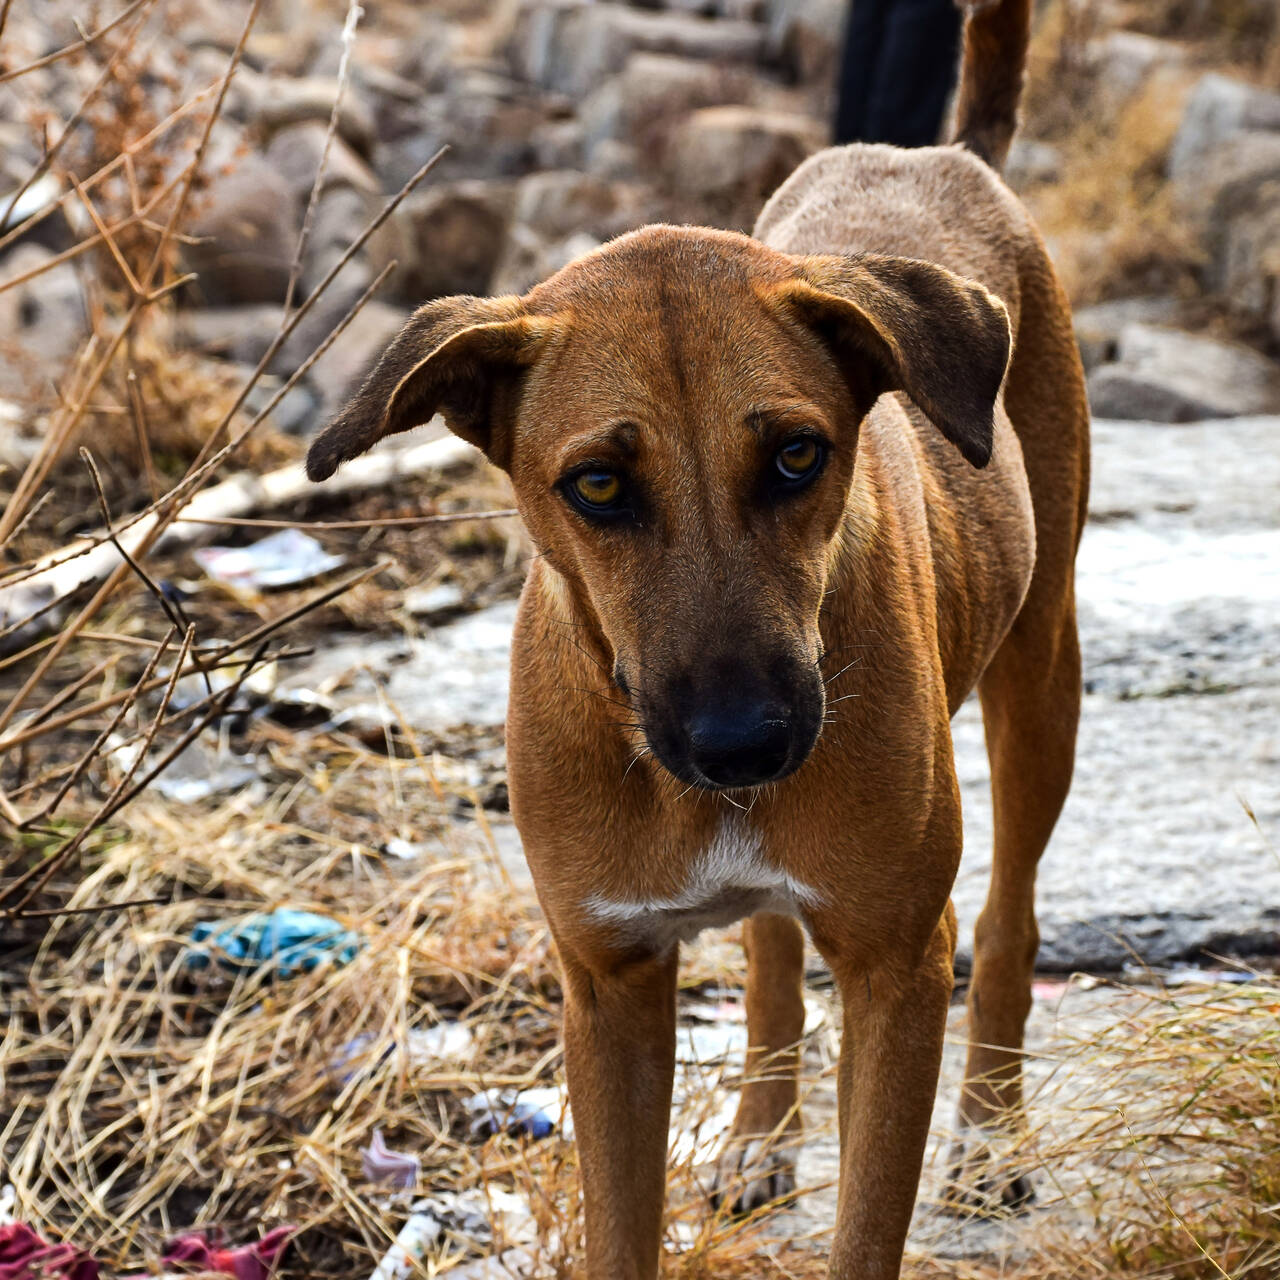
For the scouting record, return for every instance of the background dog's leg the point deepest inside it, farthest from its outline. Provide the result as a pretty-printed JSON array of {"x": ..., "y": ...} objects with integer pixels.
[
  {"x": 753, "y": 1171},
  {"x": 619, "y": 1048},
  {"x": 894, "y": 1024},
  {"x": 1030, "y": 705}
]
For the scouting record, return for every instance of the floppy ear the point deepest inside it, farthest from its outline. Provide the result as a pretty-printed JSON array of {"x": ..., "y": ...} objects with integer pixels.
[
  {"x": 942, "y": 339},
  {"x": 455, "y": 356}
]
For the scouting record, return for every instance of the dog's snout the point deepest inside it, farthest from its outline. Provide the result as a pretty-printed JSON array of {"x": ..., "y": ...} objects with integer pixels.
[{"x": 740, "y": 745}]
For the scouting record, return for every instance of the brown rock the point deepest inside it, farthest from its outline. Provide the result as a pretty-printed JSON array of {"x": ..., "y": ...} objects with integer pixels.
[
  {"x": 561, "y": 202},
  {"x": 805, "y": 36},
  {"x": 446, "y": 239},
  {"x": 247, "y": 233},
  {"x": 734, "y": 157}
]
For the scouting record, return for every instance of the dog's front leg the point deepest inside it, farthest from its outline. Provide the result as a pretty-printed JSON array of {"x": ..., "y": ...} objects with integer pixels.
[
  {"x": 894, "y": 1022},
  {"x": 619, "y": 1042}
]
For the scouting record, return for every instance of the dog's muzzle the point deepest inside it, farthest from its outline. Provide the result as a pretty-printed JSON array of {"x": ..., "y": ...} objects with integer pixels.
[{"x": 733, "y": 732}]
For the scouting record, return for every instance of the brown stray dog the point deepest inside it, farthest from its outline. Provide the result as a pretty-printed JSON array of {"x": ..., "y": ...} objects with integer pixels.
[{"x": 780, "y": 583}]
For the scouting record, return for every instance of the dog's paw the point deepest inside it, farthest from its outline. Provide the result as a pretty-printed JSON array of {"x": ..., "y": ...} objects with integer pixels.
[
  {"x": 987, "y": 1178},
  {"x": 753, "y": 1173}
]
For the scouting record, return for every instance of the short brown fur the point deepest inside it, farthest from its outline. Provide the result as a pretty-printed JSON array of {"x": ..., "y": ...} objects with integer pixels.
[{"x": 933, "y": 554}]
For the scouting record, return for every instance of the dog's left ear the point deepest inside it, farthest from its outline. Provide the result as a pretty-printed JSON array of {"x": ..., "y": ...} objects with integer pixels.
[{"x": 919, "y": 328}]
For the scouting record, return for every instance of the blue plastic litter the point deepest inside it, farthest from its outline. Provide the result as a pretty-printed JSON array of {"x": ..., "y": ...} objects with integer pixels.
[
  {"x": 292, "y": 941},
  {"x": 505, "y": 1111}
]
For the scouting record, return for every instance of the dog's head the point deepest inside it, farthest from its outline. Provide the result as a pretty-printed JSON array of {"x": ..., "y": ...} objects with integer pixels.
[{"x": 679, "y": 416}]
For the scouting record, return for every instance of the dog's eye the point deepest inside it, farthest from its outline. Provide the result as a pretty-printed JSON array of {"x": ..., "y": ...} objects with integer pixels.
[
  {"x": 799, "y": 459},
  {"x": 596, "y": 490}
]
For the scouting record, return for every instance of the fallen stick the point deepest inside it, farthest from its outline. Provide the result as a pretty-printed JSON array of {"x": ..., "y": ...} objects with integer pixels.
[{"x": 33, "y": 600}]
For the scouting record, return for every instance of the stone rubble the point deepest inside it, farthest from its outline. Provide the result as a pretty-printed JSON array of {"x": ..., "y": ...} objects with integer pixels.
[{"x": 571, "y": 121}]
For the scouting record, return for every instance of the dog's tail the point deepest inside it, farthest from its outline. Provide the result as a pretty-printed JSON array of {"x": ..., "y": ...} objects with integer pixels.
[{"x": 996, "y": 34}]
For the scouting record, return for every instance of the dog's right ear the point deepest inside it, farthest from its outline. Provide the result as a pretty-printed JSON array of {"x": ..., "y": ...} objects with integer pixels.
[{"x": 459, "y": 357}]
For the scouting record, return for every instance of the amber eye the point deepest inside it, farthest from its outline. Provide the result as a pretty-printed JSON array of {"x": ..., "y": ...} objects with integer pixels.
[
  {"x": 596, "y": 489},
  {"x": 798, "y": 459}
]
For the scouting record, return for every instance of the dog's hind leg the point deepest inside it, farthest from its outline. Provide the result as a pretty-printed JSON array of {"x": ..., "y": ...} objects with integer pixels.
[
  {"x": 1030, "y": 696},
  {"x": 1030, "y": 706},
  {"x": 758, "y": 1161}
]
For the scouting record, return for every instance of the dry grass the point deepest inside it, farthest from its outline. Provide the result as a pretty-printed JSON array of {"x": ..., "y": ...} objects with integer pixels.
[
  {"x": 1109, "y": 216},
  {"x": 1111, "y": 221}
]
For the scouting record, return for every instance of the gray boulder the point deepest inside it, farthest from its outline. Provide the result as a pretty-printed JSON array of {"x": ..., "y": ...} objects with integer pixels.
[
  {"x": 1162, "y": 375},
  {"x": 1123, "y": 61},
  {"x": 1224, "y": 166},
  {"x": 653, "y": 90},
  {"x": 239, "y": 334},
  {"x": 1241, "y": 229},
  {"x": 295, "y": 151},
  {"x": 42, "y": 321},
  {"x": 1218, "y": 108},
  {"x": 572, "y": 47},
  {"x": 344, "y": 365},
  {"x": 340, "y": 215},
  {"x": 1032, "y": 163},
  {"x": 529, "y": 258},
  {"x": 1098, "y": 327},
  {"x": 284, "y": 102}
]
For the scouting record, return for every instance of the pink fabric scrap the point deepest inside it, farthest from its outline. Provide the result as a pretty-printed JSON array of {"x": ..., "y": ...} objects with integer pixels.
[
  {"x": 381, "y": 1164},
  {"x": 25, "y": 1256},
  {"x": 193, "y": 1252}
]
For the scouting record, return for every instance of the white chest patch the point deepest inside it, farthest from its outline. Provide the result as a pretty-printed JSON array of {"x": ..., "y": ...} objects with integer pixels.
[{"x": 730, "y": 879}]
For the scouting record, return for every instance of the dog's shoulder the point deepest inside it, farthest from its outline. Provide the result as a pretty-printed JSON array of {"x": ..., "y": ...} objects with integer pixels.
[{"x": 941, "y": 204}]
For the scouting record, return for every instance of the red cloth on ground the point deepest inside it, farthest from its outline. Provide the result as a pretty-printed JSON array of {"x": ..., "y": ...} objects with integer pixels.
[
  {"x": 248, "y": 1262},
  {"x": 25, "y": 1256}
]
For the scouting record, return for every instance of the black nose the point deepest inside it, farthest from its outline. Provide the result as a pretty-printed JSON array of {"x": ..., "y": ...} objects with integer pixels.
[{"x": 740, "y": 746}]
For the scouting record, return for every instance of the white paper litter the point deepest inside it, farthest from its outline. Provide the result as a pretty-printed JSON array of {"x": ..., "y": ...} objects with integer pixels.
[{"x": 284, "y": 559}]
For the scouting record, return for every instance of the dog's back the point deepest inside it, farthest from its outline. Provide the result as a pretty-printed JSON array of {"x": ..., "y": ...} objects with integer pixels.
[{"x": 948, "y": 205}]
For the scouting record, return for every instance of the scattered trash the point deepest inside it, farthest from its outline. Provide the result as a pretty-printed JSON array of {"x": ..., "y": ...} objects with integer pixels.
[
  {"x": 398, "y": 1169},
  {"x": 294, "y": 940},
  {"x": 285, "y": 559},
  {"x": 38, "y": 197},
  {"x": 535, "y": 1113},
  {"x": 419, "y": 1233},
  {"x": 1187, "y": 975},
  {"x": 699, "y": 1136},
  {"x": 446, "y": 1218},
  {"x": 26, "y": 1256},
  {"x": 431, "y": 603},
  {"x": 702, "y": 1044},
  {"x": 511, "y": 1264},
  {"x": 405, "y": 850},
  {"x": 204, "y": 769},
  {"x": 442, "y": 1042},
  {"x": 193, "y": 1252},
  {"x": 1054, "y": 989}
]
